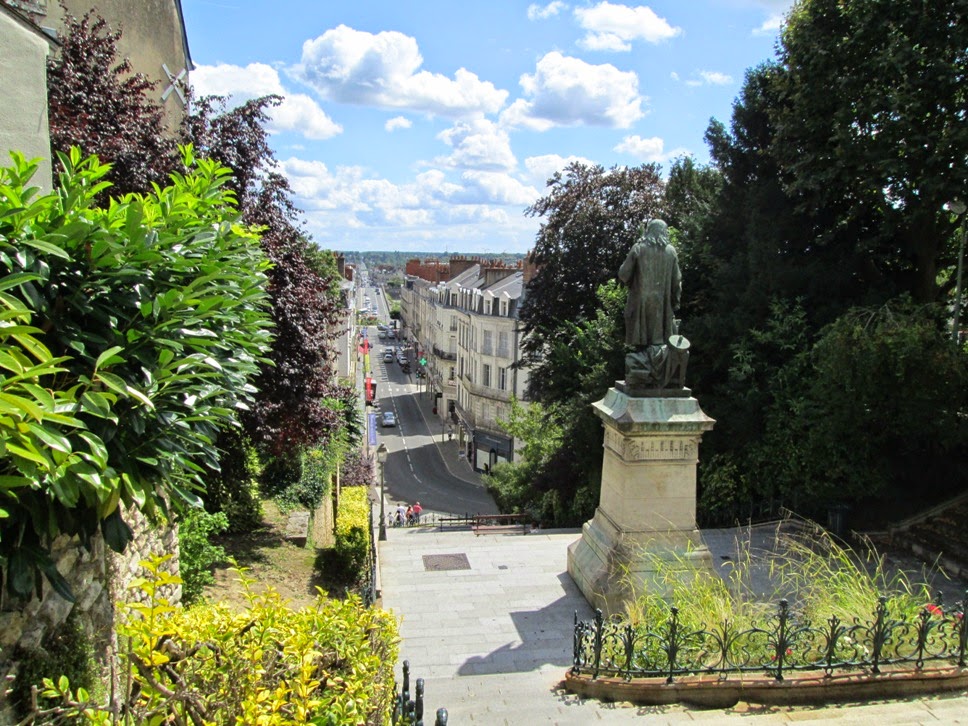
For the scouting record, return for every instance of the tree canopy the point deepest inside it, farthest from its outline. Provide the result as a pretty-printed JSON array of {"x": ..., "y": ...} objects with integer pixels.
[
  {"x": 98, "y": 105},
  {"x": 870, "y": 127},
  {"x": 589, "y": 220},
  {"x": 290, "y": 410}
]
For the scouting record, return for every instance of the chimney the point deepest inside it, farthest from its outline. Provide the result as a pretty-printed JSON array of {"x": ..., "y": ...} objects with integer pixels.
[{"x": 531, "y": 267}]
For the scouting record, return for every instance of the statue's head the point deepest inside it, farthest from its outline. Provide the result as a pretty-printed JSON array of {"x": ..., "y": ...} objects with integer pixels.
[{"x": 656, "y": 233}]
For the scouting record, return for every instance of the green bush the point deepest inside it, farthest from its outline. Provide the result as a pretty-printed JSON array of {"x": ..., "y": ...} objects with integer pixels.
[
  {"x": 132, "y": 333},
  {"x": 329, "y": 663},
  {"x": 233, "y": 488},
  {"x": 196, "y": 553}
]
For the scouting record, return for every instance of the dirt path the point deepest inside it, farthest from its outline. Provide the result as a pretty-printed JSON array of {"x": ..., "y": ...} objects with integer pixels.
[{"x": 270, "y": 560}]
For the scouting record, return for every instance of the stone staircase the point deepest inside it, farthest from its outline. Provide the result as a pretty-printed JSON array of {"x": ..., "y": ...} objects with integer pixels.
[{"x": 938, "y": 534}]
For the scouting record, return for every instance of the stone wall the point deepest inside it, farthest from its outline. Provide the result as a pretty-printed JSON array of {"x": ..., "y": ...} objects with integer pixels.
[{"x": 98, "y": 578}]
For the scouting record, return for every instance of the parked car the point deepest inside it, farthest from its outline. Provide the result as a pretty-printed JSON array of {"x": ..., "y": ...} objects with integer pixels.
[
  {"x": 389, "y": 419},
  {"x": 388, "y": 357},
  {"x": 402, "y": 359}
]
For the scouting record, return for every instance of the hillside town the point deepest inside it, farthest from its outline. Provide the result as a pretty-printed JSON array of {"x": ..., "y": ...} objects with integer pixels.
[{"x": 287, "y": 438}]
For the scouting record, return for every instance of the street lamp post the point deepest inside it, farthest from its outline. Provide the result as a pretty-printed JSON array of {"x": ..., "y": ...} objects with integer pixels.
[
  {"x": 381, "y": 456},
  {"x": 957, "y": 207}
]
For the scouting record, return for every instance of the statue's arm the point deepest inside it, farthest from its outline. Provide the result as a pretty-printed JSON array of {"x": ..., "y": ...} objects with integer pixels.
[{"x": 627, "y": 269}]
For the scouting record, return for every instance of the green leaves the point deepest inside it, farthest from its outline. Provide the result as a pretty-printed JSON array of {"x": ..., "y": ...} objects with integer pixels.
[{"x": 151, "y": 323}]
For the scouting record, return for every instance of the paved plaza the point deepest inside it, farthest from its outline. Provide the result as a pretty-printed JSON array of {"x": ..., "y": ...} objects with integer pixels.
[{"x": 487, "y": 622}]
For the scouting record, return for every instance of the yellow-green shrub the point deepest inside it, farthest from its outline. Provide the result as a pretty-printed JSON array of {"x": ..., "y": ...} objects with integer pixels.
[
  {"x": 270, "y": 665},
  {"x": 352, "y": 533}
]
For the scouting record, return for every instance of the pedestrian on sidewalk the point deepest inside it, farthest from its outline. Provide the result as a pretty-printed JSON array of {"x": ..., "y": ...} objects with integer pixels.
[
  {"x": 417, "y": 509},
  {"x": 401, "y": 515}
]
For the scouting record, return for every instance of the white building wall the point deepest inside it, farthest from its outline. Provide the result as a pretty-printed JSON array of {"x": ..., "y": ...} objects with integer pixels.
[{"x": 23, "y": 88}]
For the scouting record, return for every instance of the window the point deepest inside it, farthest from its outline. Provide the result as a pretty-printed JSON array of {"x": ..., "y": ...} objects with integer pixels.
[
  {"x": 502, "y": 379},
  {"x": 486, "y": 375},
  {"x": 503, "y": 349},
  {"x": 488, "y": 348}
]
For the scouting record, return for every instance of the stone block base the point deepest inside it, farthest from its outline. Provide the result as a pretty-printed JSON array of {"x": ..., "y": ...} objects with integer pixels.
[{"x": 613, "y": 567}]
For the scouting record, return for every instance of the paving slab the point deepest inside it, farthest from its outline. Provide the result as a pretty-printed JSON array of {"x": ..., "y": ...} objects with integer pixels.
[{"x": 493, "y": 642}]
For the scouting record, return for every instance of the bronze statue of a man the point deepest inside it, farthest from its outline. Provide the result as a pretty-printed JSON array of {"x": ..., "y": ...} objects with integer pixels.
[{"x": 651, "y": 270}]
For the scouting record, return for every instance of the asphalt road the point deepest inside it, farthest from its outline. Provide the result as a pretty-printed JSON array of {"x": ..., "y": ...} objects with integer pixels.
[{"x": 414, "y": 469}]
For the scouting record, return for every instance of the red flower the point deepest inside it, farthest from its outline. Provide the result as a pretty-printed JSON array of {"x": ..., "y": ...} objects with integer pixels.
[{"x": 934, "y": 609}]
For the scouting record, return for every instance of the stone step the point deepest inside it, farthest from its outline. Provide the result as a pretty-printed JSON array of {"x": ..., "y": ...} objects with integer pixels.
[{"x": 297, "y": 528}]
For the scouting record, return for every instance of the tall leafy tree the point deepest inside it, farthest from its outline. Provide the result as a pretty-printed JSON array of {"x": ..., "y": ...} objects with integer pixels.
[
  {"x": 97, "y": 104},
  {"x": 290, "y": 410},
  {"x": 691, "y": 193},
  {"x": 832, "y": 206},
  {"x": 870, "y": 127},
  {"x": 589, "y": 220}
]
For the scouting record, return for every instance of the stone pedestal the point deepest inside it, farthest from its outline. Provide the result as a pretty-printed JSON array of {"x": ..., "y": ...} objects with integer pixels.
[{"x": 646, "y": 517}]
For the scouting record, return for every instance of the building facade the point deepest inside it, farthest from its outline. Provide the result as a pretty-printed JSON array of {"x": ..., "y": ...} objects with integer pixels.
[{"x": 466, "y": 328}]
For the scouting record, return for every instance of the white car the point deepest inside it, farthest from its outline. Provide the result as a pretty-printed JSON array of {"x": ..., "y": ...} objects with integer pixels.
[
  {"x": 389, "y": 419},
  {"x": 388, "y": 357}
]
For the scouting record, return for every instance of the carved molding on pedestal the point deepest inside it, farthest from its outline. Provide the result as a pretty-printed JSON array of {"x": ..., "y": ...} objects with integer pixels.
[{"x": 652, "y": 448}]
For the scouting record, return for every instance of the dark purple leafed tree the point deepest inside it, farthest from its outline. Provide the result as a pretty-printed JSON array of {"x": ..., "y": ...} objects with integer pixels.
[
  {"x": 291, "y": 411},
  {"x": 97, "y": 104}
]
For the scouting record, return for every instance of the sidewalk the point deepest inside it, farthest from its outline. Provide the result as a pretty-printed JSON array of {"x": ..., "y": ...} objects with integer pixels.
[{"x": 487, "y": 622}]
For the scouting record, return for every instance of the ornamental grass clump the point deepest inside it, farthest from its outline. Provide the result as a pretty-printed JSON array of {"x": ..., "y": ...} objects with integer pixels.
[{"x": 831, "y": 595}]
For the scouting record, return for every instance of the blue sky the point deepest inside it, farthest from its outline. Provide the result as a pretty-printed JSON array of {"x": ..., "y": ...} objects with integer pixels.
[{"x": 429, "y": 126}]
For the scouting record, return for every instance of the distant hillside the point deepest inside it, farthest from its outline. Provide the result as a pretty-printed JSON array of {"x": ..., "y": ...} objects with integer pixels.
[{"x": 398, "y": 260}]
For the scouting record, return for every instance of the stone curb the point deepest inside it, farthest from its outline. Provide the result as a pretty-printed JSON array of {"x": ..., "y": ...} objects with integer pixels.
[{"x": 802, "y": 689}]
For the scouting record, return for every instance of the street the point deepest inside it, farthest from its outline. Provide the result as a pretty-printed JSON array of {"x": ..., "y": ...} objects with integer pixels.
[{"x": 415, "y": 469}]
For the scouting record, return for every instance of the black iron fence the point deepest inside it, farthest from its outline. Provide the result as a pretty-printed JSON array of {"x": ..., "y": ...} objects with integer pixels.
[
  {"x": 410, "y": 711},
  {"x": 784, "y": 643}
]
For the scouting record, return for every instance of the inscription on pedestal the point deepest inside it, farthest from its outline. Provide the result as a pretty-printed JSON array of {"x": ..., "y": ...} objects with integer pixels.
[{"x": 651, "y": 448}]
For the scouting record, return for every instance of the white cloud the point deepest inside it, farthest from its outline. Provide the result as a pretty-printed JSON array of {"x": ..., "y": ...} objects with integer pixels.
[
  {"x": 769, "y": 26},
  {"x": 648, "y": 150},
  {"x": 715, "y": 78},
  {"x": 614, "y": 27},
  {"x": 498, "y": 188},
  {"x": 397, "y": 122},
  {"x": 352, "y": 66},
  {"x": 478, "y": 144},
  {"x": 538, "y": 12},
  {"x": 706, "y": 78},
  {"x": 565, "y": 91},
  {"x": 297, "y": 111},
  {"x": 542, "y": 168},
  {"x": 350, "y": 198}
]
